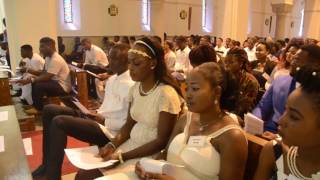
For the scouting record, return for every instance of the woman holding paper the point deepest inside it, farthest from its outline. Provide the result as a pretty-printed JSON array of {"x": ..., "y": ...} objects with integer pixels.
[
  {"x": 209, "y": 144},
  {"x": 154, "y": 107}
]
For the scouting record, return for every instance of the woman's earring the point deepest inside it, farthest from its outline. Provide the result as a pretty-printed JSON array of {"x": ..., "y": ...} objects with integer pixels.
[
  {"x": 215, "y": 102},
  {"x": 152, "y": 67}
]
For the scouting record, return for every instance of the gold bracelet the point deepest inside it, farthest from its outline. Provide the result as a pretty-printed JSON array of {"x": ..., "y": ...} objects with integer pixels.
[{"x": 120, "y": 158}]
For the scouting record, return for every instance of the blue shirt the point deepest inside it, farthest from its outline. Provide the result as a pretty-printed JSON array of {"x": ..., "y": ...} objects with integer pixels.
[{"x": 272, "y": 104}]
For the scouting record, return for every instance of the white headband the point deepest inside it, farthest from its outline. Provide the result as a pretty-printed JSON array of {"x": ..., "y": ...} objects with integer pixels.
[
  {"x": 139, "y": 52},
  {"x": 147, "y": 45}
]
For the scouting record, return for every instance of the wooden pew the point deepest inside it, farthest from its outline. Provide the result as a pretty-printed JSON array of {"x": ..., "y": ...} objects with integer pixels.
[
  {"x": 255, "y": 145},
  {"x": 79, "y": 80},
  {"x": 13, "y": 161},
  {"x": 5, "y": 97}
]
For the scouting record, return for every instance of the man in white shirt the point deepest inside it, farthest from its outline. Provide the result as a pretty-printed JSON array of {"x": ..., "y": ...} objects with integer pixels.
[
  {"x": 54, "y": 80},
  {"x": 251, "y": 50},
  {"x": 33, "y": 61},
  {"x": 182, "y": 64},
  {"x": 96, "y": 61},
  {"x": 64, "y": 121},
  {"x": 220, "y": 49}
]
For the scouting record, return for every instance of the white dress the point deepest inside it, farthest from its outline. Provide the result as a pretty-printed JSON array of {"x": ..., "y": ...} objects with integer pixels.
[
  {"x": 145, "y": 110},
  {"x": 201, "y": 162}
]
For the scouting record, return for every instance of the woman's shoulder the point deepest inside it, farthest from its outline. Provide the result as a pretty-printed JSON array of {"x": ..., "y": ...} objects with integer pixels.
[
  {"x": 231, "y": 131},
  {"x": 167, "y": 89}
]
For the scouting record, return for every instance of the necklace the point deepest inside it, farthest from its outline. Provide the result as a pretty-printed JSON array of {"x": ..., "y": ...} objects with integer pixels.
[
  {"x": 204, "y": 126},
  {"x": 150, "y": 91},
  {"x": 291, "y": 161}
]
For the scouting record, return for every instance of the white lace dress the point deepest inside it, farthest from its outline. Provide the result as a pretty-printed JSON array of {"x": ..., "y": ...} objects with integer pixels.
[{"x": 145, "y": 110}]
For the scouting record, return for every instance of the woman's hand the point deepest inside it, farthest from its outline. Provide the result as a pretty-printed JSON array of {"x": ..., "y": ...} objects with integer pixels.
[
  {"x": 142, "y": 174},
  {"x": 107, "y": 152}
]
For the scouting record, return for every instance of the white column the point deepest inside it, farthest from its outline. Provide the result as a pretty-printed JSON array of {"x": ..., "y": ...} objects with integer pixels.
[
  {"x": 231, "y": 19},
  {"x": 27, "y": 22},
  {"x": 283, "y": 18},
  {"x": 311, "y": 20}
]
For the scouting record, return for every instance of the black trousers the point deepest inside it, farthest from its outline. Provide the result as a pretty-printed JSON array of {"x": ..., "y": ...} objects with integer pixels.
[
  {"x": 48, "y": 88},
  {"x": 58, "y": 123}
]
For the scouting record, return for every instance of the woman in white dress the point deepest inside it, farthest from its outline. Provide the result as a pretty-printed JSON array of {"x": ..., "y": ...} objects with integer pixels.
[
  {"x": 297, "y": 155},
  {"x": 154, "y": 107},
  {"x": 208, "y": 142}
]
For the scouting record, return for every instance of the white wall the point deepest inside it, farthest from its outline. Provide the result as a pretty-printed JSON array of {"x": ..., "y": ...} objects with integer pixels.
[
  {"x": 27, "y": 22},
  {"x": 2, "y": 15},
  {"x": 261, "y": 10},
  {"x": 95, "y": 20},
  {"x": 312, "y": 19}
]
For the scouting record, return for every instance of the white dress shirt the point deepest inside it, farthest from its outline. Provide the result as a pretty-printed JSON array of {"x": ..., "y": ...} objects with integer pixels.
[
  {"x": 96, "y": 56},
  {"x": 170, "y": 59},
  {"x": 182, "y": 63},
  {"x": 251, "y": 53},
  {"x": 116, "y": 102},
  {"x": 220, "y": 50},
  {"x": 57, "y": 66},
  {"x": 35, "y": 63}
]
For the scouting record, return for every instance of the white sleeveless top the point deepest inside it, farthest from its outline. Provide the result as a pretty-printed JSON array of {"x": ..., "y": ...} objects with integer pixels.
[{"x": 201, "y": 162}]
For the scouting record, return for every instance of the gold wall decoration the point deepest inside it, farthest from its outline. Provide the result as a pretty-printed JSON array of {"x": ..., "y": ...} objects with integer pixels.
[
  {"x": 113, "y": 10},
  {"x": 183, "y": 14}
]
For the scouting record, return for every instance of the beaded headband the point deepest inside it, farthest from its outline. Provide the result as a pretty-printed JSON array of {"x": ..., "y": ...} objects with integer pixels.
[
  {"x": 139, "y": 52},
  {"x": 147, "y": 45}
]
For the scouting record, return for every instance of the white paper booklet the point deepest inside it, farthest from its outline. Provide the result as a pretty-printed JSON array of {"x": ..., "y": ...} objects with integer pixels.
[
  {"x": 27, "y": 143},
  {"x": 74, "y": 63},
  {"x": 93, "y": 74},
  {"x": 162, "y": 167},
  {"x": 87, "y": 158},
  {"x": 253, "y": 124}
]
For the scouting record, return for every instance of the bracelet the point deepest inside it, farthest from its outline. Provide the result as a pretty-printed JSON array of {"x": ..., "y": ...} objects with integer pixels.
[
  {"x": 112, "y": 145},
  {"x": 120, "y": 158}
]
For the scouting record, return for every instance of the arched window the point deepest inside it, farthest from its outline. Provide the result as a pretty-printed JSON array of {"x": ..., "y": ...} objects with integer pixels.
[
  {"x": 146, "y": 15},
  {"x": 206, "y": 16},
  {"x": 301, "y": 23},
  {"x": 67, "y": 10}
]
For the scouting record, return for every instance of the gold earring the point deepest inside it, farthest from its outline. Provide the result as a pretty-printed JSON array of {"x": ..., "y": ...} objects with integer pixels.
[{"x": 215, "y": 102}]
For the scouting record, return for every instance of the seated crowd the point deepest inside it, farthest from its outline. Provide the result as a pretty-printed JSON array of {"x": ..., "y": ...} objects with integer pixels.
[{"x": 183, "y": 103}]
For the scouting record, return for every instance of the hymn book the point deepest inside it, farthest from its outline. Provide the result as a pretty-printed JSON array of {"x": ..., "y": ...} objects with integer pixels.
[{"x": 253, "y": 124}]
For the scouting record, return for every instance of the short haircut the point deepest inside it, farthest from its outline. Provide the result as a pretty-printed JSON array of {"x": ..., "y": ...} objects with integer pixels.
[
  {"x": 207, "y": 37},
  {"x": 122, "y": 49},
  {"x": 220, "y": 39},
  {"x": 85, "y": 40},
  {"x": 268, "y": 48},
  {"x": 170, "y": 44},
  {"x": 202, "y": 54},
  {"x": 48, "y": 41},
  {"x": 27, "y": 47},
  {"x": 181, "y": 38}
]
